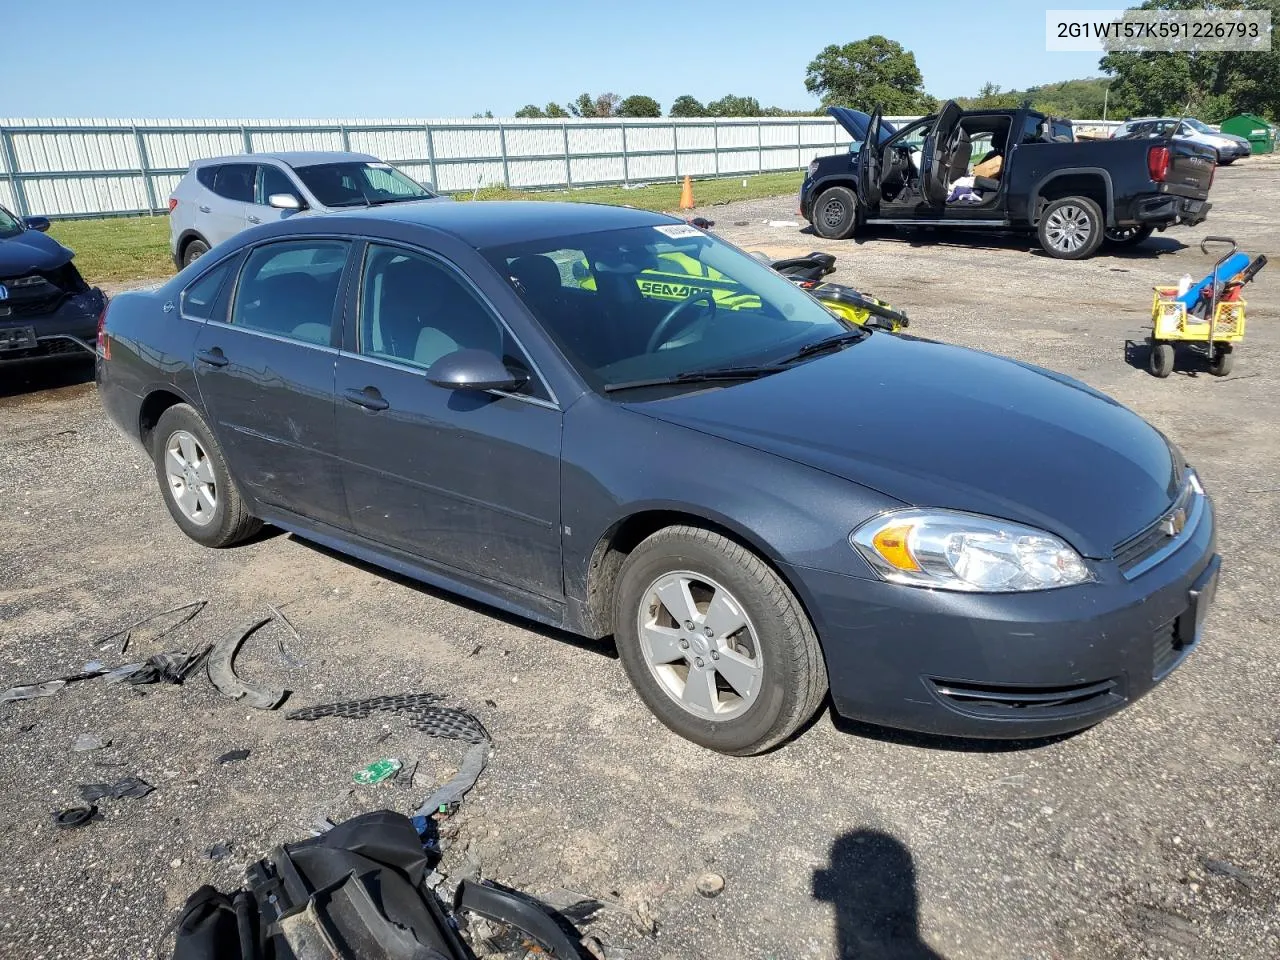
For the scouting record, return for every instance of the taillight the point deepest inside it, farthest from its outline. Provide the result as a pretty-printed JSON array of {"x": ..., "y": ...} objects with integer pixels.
[
  {"x": 1158, "y": 163},
  {"x": 173, "y": 203},
  {"x": 104, "y": 342}
]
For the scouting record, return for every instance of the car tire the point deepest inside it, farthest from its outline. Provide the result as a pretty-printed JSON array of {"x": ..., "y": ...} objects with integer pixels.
[
  {"x": 197, "y": 487},
  {"x": 193, "y": 251},
  {"x": 1127, "y": 236},
  {"x": 1226, "y": 161},
  {"x": 775, "y": 649},
  {"x": 1160, "y": 360},
  {"x": 835, "y": 213},
  {"x": 1071, "y": 228},
  {"x": 1224, "y": 360}
]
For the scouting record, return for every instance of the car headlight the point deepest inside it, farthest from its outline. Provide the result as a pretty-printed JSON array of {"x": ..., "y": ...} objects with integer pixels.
[{"x": 951, "y": 550}]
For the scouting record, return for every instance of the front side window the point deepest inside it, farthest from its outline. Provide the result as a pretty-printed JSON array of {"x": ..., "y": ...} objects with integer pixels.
[
  {"x": 274, "y": 180},
  {"x": 659, "y": 301},
  {"x": 199, "y": 299},
  {"x": 10, "y": 226},
  {"x": 359, "y": 184},
  {"x": 289, "y": 289},
  {"x": 234, "y": 181}
]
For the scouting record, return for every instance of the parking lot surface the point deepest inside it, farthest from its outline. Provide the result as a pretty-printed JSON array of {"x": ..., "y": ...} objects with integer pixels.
[{"x": 1153, "y": 835}]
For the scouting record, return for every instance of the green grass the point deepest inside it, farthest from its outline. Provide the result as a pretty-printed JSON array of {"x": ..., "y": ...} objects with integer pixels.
[{"x": 129, "y": 249}]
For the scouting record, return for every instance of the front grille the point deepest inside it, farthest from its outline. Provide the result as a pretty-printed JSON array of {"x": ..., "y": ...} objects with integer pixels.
[
  {"x": 1170, "y": 645},
  {"x": 997, "y": 700},
  {"x": 1131, "y": 553}
]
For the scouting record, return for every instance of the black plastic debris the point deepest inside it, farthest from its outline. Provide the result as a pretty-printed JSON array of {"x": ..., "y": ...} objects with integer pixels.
[
  {"x": 222, "y": 673},
  {"x": 219, "y": 851},
  {"x": 46, "y": 688},
  {"x": 173, "y": 667},
  {"x": 421, "y": 709},
  {"x": 234, "y": 756},
  {"x": 1224, "y": 869},
  {"x": 126, "y": 633},
  {"x": 289, "y": 660},
  {"x": 447, "y": 797},
  {"x": 73, "y": 817},
  {"x": 131, "y": 788}
]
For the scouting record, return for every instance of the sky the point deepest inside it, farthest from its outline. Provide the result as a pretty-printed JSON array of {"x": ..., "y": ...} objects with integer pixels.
[{"x": 416, "y": 58}]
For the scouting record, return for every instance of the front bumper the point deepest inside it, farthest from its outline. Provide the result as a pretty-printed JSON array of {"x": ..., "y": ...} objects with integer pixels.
[
  {"x": 1163, "y": 210},
  {"x": 1009, "y": 666},
  {"x": 66, "y": 332}
]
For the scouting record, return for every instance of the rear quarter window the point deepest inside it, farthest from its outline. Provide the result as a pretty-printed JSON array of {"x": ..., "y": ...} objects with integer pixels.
[{"x": 205, "y": 176}]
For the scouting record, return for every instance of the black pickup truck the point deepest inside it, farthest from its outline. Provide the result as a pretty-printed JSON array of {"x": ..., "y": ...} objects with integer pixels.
[{"x": 1033, "y": 176}]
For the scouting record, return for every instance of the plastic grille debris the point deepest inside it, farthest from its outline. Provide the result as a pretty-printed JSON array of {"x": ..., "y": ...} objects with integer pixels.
[{"x": 422, "y": 709}]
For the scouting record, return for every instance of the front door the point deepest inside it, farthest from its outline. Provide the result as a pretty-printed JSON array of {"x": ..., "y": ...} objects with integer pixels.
[
  {"x": 939, "y": 146},
  {"x": 869, "y": 166},
  {"x": 271, "y": 180},
  {"x": 266, "y": 377},
  {"x": 465, "y": 479}
]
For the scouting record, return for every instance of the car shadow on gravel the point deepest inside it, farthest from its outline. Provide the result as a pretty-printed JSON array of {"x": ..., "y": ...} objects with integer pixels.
[
  {"x": 24, "y": 378},
  {"x": 604, "y": 648},
  {"x": 921, "y": 237},
  {"x": 906, "y": 738},
  {"x": 871, "y": 882}
]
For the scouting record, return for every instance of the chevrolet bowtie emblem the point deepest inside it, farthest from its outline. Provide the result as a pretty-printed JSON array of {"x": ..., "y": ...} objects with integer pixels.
[{"x": 1172, "y": 524}]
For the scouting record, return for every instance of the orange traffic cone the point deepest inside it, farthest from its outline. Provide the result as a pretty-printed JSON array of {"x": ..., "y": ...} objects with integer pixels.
[{"x": 686, "y": 195}]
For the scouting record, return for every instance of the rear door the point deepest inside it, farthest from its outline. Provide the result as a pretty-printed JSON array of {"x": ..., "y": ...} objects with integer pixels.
[
  {"x": 935, "y": 165},
  {"x": 265, "y": 371},
  {"x": 870, "y": 163},
  {"x": 222, "y": 214}
]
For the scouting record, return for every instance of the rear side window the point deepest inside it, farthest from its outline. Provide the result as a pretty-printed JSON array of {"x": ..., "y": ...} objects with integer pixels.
[
  {"x": 275, "y": 180},
  {"x": 206, "y": 175},
  {"x": 234, "y": 181},
  {"x": 289, "y": 289},
  {"x": 200, "y": 298}
]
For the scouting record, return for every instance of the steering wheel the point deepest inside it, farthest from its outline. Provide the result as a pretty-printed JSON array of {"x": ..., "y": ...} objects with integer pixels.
[{"x": 660, "y": 332}]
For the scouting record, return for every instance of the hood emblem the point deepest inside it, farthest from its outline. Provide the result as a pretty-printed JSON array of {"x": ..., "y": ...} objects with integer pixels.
[{"x": 1173, "y": 524}]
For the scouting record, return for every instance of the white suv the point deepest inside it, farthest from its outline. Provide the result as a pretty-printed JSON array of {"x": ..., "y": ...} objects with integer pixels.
[{"x": 221, "y": 196}]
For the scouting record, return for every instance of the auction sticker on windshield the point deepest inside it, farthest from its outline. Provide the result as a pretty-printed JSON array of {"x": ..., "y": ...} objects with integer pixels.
[{"x": 677, "y": 230}]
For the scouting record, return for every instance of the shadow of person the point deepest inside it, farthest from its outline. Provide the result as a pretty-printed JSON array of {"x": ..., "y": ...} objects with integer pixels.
[{"x": 871, "y": 882}]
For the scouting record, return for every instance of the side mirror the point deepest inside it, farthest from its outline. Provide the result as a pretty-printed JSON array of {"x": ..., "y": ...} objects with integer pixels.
[
  {"x": 37, "y": 223},
  {"x": 469, "y": 369},
  {"x": 285, "y": 201}
]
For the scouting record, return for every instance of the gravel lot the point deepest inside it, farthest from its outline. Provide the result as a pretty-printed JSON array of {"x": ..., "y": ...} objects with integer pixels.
[{"x": 1153, "y": 835}]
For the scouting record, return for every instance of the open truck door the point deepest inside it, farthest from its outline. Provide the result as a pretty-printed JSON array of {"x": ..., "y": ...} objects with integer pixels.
[
  {"x": 870, "y": 163},
  {"x": 941, "y": 144}
]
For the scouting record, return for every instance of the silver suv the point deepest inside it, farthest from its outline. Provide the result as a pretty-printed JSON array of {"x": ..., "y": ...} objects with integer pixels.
[{"x": 221, "y": 196}]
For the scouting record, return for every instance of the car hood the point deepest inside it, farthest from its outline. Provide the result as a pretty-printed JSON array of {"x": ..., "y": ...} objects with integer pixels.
[
  {"x": 942, "y": 426},
  {"x": 855, "y": 123},
  {"x": 31, "y": 250}
]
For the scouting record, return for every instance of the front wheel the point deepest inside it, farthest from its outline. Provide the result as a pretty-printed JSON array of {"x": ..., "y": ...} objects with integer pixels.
[
  {"x": 198, "y": 490},
  {"x": 1127, "y": 236},
  {"x": 835, "y": 213},
  {"x": 1071, "y": 228},
  {"x": 1160, "y": 362},
  {"x": 715, "y": 643}
]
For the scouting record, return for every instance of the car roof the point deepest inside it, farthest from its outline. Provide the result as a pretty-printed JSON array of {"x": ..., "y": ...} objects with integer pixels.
[
  {"x": 492, "y": 223},
  {"x": 292, "y": 158}
]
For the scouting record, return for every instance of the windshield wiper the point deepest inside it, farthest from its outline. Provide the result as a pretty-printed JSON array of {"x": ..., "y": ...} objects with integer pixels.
[
  {"x": 697, "y": 376},
  {"x": 380, "y": 202},
  {"x": 828, "y": 344}
]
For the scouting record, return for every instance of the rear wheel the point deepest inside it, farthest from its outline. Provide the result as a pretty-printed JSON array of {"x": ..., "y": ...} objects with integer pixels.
[
  {"x": 193, "y": 251},
  {"x": 1223, "y": 360},
  {"x": 1160, "y": 363},
  {"x": 1127, "y": 236},
  {"x": 198, "y": 490},
  {"x": 715, "y": 643},
  {"x": 835, "y": 213},
  {"x": 1071, "y": 228}
]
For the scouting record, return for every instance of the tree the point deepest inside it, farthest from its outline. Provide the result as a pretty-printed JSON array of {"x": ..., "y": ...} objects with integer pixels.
[
  {"x": 530, "y": 111},
  {"x": 875, "y": 72},
  {"x": 990, "y": 98},
  {"x": 733, "y": 106},
  {"x": 1211, "y": 85},
  {"x": 487, "y": 115},
  {"x": 583, "y": 106},
  {"x": 638, "y": 105},
  {"x": 686, "y": 106},
  {"x": 607, "y": 105},
  {"x": 555, "y": 110}
]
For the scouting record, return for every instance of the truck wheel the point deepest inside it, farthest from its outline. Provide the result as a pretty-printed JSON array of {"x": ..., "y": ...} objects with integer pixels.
[
  {"x": 715, "y": 643},
  {"x": 1127, "y": 236},
  {"x": 198, "y": 490},
  {"x": 835, "y": 213},
  {"x": 1223, "y": 360},
  {"x": 1160, "y": 362},
  {"x": 1071, "y": 228}
]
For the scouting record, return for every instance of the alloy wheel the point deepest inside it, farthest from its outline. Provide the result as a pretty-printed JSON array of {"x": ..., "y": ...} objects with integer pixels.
[
  {"x": 191, "y": 479},
  {"x": 1069, "y": 228}
]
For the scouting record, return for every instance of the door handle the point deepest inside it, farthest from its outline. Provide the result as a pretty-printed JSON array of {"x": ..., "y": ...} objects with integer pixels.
[
  {"x": 369, "y": 398},
  {"x": 204, "y": 208},
  {"x": 213, "y": 358},
  {"x": 252, "y": 219}
]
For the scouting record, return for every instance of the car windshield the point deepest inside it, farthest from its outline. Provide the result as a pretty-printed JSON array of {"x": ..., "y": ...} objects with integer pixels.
[
  {"x": 359, "y": 184},
  {"x": 1197, "y": 125},
  {"x": 661, "y": 302},
  {"x": 10, "y": 226}
]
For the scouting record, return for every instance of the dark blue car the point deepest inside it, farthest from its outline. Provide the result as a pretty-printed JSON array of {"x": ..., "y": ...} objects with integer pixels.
[{"x": 760, "y": 503}]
